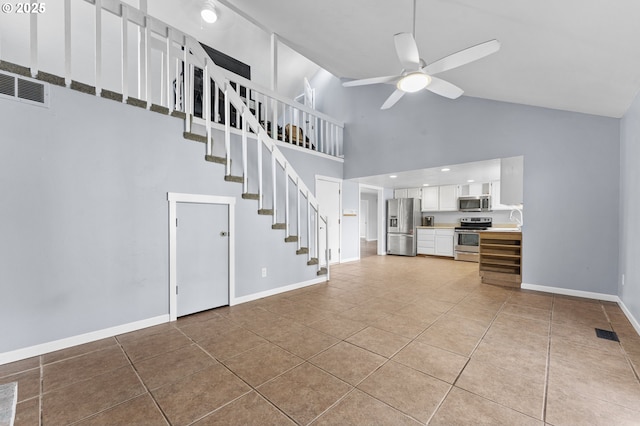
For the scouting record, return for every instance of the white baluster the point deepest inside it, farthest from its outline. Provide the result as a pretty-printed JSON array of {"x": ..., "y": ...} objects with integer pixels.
[
  {"x": 33, "y": 41},
  {"x": 286, "y": 200},
  {"x": 245, "y": 182},
  {"x": 167, "y": 68},
  {"x": 309, "y": 247},
  {"x": 98, "y": 51},
  {"x": 206, "y": 104},
  {"x": 273, "y": 188},
  {"x": 227, "y": 128},
  {"x": 260, "y": 191},
  {"x": 67, "y": 42},
  {"x": 125, "y": 51},
  {"x": 298, "y": 213}
]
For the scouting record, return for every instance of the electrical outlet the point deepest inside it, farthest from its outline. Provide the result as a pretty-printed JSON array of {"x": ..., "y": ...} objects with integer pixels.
[{"x": 264, "y": 272}]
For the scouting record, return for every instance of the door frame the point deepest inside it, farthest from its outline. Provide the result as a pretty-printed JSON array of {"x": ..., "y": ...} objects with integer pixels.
[
  {"x": 174, "y": 198},
  {"x": 339, "y": 182},
  {"x": 381, "y": 221}
]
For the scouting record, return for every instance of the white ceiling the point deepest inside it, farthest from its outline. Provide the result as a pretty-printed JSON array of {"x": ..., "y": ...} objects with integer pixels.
[
  {"x": 575, "y": 55},
  {"x": 479, "y": 172}
]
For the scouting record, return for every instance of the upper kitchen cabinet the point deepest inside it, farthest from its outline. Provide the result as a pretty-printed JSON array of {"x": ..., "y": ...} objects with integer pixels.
[
  {"x": 400, "y": 193},
  {"x": 496, "y": 201},
  {"x": 440, "y": 198},
  {"x": 448, "y": 198},
  {"x": 407, "y": 193},
  {"x": 414, "y": 193},
  {"x": 430, "y": 201},
  {"x": 473, "y": 189},
  {"x": 511, "y": 180}
]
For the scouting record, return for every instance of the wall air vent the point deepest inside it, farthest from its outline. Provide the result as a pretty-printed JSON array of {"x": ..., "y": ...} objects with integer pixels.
[{"x": 24, "y": 89}]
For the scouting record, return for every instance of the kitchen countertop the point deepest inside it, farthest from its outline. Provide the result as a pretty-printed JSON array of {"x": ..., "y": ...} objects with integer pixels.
[{"x": 440, "y": 226}]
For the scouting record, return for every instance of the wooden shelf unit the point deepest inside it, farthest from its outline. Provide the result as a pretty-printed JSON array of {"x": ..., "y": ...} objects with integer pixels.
[{"x": 501, "y": 258}]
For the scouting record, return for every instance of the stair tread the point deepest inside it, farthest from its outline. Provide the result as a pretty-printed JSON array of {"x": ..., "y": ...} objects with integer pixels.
[
  {"x": 312, "y": 261},
  {"x": 215, "y": 159},
  {"x": 136, "y": 102},
  {"x": 322, "y": 271},
  {"x": 291, "y": 239},
  {"x": 250, "y": 196},
  {"x": 194, "y": 137},
  {"x": 231, "y": 178},
  {"x": 268, "y": 212},
  {"x": 279, "y": 226},
  {"x": 302, "y": 250}
]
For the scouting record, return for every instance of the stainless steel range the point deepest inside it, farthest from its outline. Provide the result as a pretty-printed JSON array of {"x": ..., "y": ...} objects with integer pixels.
[{"x": 467, "y": 239}]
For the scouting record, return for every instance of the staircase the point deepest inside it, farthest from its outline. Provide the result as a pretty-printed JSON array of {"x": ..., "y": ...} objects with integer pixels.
[{"x": 247, "y": 126}]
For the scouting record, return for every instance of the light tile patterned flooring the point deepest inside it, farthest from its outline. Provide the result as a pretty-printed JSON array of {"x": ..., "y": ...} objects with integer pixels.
[{"x": 388, "y": 341}]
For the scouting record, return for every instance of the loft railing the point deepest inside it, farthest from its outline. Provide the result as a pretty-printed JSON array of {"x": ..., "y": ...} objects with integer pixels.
[{"x": 165, "y": 62}]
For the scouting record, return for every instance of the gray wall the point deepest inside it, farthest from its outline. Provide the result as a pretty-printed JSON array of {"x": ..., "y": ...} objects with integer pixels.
[
  {"x": 571, "y": 162},
  {"x": 630, "y": 209},
  {"x": 84, "y": 221}
]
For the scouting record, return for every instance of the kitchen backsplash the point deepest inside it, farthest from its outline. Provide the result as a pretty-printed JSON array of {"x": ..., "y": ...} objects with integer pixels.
[{"x": 499, "y": 216}]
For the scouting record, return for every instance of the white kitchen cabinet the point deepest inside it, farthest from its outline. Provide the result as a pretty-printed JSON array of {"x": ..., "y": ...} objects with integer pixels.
[
  {"x": 426, "y": 241},
  {"x": 444, "y": 242},
  {"x": 430, "y": 202},
  {"x": 448, "y": 198},
  {"x": 400, "y": 193},
  {"x": 414, "y": 192},
  {"x": 511, "y": 180},
  {"x": 495, "y": 197},
  {"x": 437, "y": 242},
  {"x": 475, "y": 189}
]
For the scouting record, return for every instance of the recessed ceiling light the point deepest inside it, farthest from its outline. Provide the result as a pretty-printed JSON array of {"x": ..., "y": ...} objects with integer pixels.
[
  {"x": 393, "y": 176},
  {"x": 446, "y": 169},
  {"x": 425, "y": 184},
  {"x": 470, "y": 180}
]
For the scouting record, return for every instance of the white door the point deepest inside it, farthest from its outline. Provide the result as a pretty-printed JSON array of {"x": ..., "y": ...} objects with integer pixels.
[
  {"x": 328, "y": 195},
  {"x": 202, "y": 252},
  {"x": 364, "y": 219}
]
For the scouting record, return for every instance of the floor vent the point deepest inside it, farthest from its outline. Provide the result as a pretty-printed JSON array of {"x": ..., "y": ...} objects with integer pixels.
[
  {"x": 606, "y": 334},
  {"x": 24, "y": 89}
]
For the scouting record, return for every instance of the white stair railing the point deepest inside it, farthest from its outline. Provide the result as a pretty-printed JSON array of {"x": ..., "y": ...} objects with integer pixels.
[{"x": 180, "y": 57}]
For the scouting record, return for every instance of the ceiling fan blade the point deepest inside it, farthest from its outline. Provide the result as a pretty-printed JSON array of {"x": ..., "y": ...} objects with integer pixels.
[
  {"x": 391, "y": 100},
  {"x": 463, "y": 57},
  {"x": 391, "y": 79},
  {"x": 444, "y": 88},
  {"x": 407, "y": 51}
]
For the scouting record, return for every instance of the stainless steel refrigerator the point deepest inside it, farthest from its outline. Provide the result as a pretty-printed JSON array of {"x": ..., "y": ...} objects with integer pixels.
[{"x": 403, "y": 215}]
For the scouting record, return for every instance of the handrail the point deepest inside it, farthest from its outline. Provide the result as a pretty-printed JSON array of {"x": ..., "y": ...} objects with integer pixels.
[
  {"x": 234, "y": 99},
  {"x": 184, "y": 50}
]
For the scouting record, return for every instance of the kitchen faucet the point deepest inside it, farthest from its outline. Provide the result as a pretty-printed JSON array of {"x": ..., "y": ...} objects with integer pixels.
[{"x": 519, "y": 220}]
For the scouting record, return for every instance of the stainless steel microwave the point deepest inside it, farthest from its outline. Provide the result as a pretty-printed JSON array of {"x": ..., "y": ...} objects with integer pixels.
[{"x": 478, "y": 203}]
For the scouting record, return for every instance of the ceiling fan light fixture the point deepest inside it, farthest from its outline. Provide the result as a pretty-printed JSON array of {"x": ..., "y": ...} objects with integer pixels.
[
  {"x": 208, "y": 13},
  {"x": 414, "y": 82}
]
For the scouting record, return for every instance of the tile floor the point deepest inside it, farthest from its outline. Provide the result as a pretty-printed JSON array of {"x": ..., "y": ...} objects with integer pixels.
[{"x": 388, "y": 341}]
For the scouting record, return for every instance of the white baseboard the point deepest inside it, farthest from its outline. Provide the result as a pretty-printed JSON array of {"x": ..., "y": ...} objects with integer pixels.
[
  {"x": 351, "y": 259},
  {"x": 570, "y": 292},
  {"x": 80, "y": 339},
  {"x": 587, "y": 295},
  {"x": 274, "y": 291},
  {"x": 634, "y": 322}
]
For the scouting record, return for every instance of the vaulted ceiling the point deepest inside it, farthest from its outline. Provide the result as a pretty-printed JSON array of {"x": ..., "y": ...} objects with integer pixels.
[{"x": 575, "y": 55}]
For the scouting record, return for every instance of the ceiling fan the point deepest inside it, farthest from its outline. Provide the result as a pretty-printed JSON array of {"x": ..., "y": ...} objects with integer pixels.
[{"x": 417, "y": 75}]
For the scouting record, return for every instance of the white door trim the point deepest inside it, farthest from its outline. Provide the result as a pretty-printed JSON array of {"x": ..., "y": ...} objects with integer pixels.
[
  {"x": 174, "y": 198},
  {"x": 382, "y": 220},
  {"x": 339, "y": 182}
]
